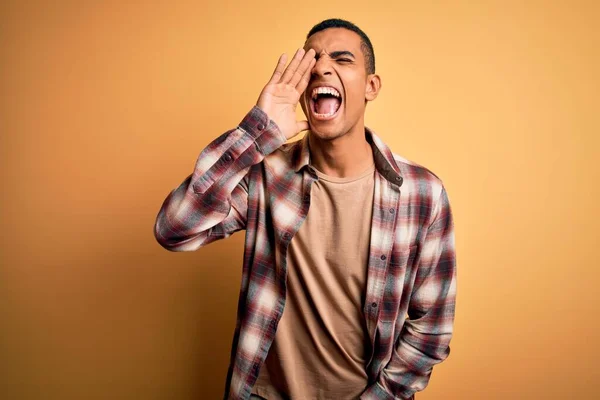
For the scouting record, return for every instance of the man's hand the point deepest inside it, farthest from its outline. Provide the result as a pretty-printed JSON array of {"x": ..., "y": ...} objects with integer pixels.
[{"x": 280, "y": 96}]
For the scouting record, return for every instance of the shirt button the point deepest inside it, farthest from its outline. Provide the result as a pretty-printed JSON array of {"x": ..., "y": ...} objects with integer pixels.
[
  {"x": 287, "y": 236},
  {"x": 227, "y": 157},
  {"x": 374, "y": 304},
  {"x": 383, "y": 257},
  {"x": 399, "y": 180},
  {"x": 392, "y": 211},
  {"x": 260, "y": 127}
]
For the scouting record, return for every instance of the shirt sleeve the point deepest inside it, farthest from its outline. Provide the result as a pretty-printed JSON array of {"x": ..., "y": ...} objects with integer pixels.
[
  {"x": 425, "y": 338},
  {"x": 212, "y": 202}
]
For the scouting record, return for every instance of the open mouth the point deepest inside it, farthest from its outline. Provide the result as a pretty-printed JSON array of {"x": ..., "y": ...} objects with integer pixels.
[{"x": 325, "y": 102}]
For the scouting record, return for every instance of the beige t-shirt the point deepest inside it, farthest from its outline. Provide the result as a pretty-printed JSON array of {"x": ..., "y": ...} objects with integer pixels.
[{"x": 321, "y": 341}]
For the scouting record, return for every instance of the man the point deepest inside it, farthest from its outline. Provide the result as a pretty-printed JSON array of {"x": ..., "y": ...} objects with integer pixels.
[{"x": 349, "y": 279}]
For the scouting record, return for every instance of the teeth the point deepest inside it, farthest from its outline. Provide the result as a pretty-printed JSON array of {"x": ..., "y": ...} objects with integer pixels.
[
  {"x": 324, "y": 90},
  {"x": 324, "y": 115}
]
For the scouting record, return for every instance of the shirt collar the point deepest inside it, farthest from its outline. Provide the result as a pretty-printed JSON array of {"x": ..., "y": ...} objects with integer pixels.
[{"x": 384, "y": 159}]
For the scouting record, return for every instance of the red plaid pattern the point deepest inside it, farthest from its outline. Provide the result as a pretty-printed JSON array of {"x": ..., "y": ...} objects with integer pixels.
[{"x": 249, "y": 178}]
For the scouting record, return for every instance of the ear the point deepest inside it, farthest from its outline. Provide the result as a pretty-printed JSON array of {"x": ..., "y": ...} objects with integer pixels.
[{"x": 373, "y": 87}]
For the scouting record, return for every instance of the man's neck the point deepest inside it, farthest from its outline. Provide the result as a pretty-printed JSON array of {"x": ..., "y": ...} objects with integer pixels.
[{"x": 343, "y": 157}]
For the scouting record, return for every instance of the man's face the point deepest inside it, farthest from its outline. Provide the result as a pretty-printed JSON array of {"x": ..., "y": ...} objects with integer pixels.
[{"x": 334, "y": 101}]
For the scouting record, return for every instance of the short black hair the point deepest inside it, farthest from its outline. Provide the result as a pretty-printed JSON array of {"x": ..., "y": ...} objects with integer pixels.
[{"x": 365, "y": 43}]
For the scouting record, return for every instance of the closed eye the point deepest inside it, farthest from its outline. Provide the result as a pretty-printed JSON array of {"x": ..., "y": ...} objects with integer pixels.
[{"x": 344, "y": 60}]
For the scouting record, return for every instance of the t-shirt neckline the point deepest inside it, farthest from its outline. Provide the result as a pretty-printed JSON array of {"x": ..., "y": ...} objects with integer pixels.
[{"x": 346, "y": 179}]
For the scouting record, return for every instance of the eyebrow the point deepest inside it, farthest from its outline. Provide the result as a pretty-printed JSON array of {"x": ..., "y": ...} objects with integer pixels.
[{"x": 336, "y": 54}]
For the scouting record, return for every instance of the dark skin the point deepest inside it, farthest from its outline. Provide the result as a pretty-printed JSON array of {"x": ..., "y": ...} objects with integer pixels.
[{"x": 332, "y": 57}]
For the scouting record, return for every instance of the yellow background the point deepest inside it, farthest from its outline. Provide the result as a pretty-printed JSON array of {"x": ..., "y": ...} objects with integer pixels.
[{"x": 105, "y": 107}]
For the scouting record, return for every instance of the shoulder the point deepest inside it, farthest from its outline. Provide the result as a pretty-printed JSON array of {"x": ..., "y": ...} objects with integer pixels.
[
  {"x": 419, "y": 179},
  {"x": 287, "y": 157}
]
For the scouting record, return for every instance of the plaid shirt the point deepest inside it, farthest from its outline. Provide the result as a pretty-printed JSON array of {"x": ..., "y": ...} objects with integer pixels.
[{"x": 249, "y": 178}]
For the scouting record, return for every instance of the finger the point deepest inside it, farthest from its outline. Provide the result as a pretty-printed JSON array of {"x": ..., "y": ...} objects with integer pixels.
[
  {"x": 303, "y": 67},
  {"x": 289, "y": 72},
  {"x": 279, "y": 69},
  {"x": 301, "y": 86}
]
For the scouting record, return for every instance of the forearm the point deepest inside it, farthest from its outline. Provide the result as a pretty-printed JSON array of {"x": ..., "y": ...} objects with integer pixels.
[
  {"x": 204, "y": 199},
  {"x": 419, "y": 348}
]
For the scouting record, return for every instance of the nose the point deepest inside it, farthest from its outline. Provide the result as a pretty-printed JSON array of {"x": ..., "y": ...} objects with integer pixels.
[{"x": 322, "y": 67}]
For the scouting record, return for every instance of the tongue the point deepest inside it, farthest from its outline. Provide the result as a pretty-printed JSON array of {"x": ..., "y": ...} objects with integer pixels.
[{"x": 327, "y": 105}]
